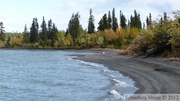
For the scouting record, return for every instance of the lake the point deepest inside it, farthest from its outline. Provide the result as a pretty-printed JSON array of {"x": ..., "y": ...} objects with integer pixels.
[{"x": 53, "y": 75}]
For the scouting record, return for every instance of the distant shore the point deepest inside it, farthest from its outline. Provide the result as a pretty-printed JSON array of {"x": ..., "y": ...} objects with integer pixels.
[{"x": 152, "y": 75}]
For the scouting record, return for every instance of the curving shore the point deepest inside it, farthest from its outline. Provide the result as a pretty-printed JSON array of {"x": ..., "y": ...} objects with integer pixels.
[{"x": 152, "y": 75}]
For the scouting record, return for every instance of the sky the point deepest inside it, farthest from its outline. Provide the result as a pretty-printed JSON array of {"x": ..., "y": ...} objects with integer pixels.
[{"x": 16, "y": 13}]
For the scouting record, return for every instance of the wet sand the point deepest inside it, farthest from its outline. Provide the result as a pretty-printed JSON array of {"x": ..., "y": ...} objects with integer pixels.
[{"x": 152, "y": 75}]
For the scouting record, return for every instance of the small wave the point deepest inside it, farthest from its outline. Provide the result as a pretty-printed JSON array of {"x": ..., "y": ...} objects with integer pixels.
[
  {"x": 91, "y": 64},
  {"x": 107, "y": 70},
  {"x": 71, "y": 58},
  {"x": 115, "y": 94},
  {"x": 121, "y": 83},
  {"x": 85, "y": 63}
]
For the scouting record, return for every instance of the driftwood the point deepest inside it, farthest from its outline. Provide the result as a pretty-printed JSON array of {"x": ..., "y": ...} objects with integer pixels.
[{"x": 154, "y": 51}]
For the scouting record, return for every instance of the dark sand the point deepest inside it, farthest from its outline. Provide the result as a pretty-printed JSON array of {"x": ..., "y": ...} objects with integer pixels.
[{"x": 152, "y": 75}]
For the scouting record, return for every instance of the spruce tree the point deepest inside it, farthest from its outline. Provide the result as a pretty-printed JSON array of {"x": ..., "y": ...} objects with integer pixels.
[
  {"x": 135, "y": 21},
  {"x": 132, "y": 22},
  {"x": 43, "y": 34},
  {"x": 109, "y": 20},
  {"x": 100, "y": 27},
  {"x": 122, "y": 20},
  {"x": 34, "y": 31},
  {"x": 54, "y": 34},
  {"x": 2, "y": 32},
  {"x": 26, "y": 35},
  {"x": 49, "y": 29},
  {"x": 91, "y": 26},
  {"x": 139, "y": 25},
  {"x": 103, "y": 23},
  {"x": 114, "y": 21},
  {"x": 135, "y": 18},
  {"x": 147, "y": 22},
  {"x": 74, "y": 25},
  {"x": 150, "y": 19},
  {"x": 165, "y": 18}
]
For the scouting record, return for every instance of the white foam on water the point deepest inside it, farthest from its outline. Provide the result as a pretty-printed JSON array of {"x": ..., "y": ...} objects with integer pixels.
[
  {"x": 115, "y": 94},
  {"x": 91, "y": 64},
  {"x": 85, "y": 63},
  {"x": 121, "y": 83}
]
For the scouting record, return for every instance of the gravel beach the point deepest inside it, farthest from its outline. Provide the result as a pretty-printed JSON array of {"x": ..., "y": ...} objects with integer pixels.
[{"x": 152, "y": 75}]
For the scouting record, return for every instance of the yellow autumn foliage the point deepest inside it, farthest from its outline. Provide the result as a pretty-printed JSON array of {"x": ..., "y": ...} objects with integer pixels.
[
  {"x": 56, "y": 44},
  {"x": 121, "y": 32},
  {"x": 175, "y": 38},
  {"x": 1, "y": 43},
  {"x": 91, "y": 39},
  {"x": 109, "y": 34},
  {"x": 17, "y": 41}
]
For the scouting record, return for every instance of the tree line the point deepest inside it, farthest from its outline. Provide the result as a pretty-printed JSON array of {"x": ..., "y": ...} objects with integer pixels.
[
  {"x": 130, "y": 34},
  {"x": 48, "y": 32}
]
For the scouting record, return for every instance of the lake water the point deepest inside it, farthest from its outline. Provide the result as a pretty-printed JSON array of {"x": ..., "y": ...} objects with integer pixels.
[{"x": 43, "y": 75}]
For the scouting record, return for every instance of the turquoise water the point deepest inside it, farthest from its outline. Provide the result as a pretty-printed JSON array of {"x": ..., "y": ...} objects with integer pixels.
[{"x": 39, "y": 75}]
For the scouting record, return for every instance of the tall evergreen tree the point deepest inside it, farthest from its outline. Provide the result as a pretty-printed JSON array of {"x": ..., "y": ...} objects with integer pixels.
[
  {"x": 54, "y": 34},
  {"x": 2, "y": 32},
  {"x": 49, "y": 29},
  {"x": 25, "y": 29},
  {"x": 114, "y": 21},
  {"x": 26, "y": 35},
  {"x": 43, "y": 34},
  {"x": 109, "y": 20},
  {"x": 74, "y": 25},
  {"x": 101, "y": 27},
  {"x": 165, "y": 18},
  {"x": 122, "y": 20},
  {"x": 135, "y": 18},
  {"x": 34, "y": 31},
  {"x": 132, "y": 21},
  {"x": 91, "y": 26},
  {"x": 139, "y": 24},
  {"x": 147, "y": 22},
  {"x": 150, "y": 19},
  {"x": 103, "y": 24},
  {"x": 136, "y": 21}
]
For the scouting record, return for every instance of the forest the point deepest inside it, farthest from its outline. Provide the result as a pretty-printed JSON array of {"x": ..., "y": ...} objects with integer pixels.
[{"x": 160, "y": 37}]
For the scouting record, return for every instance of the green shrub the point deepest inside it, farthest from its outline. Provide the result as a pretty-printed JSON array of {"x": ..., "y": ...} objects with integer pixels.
[
  {"x": 140, "y": 44},
  {"x": 175, "y": 38}
]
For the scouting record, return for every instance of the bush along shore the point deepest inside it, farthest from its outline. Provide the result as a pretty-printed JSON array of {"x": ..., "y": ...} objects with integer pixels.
[{"x": 153, "y": 38}]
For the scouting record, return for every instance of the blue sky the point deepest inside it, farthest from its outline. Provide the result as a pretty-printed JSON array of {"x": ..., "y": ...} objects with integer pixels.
[{"x": 16, "y": 13}]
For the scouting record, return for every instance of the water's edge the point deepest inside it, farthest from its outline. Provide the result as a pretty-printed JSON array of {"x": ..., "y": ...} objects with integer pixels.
[{"x": 119, "y": 82}]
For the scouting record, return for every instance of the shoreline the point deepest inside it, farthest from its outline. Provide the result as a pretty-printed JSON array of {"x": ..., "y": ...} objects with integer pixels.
[{"x": 151, "y": 75}]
